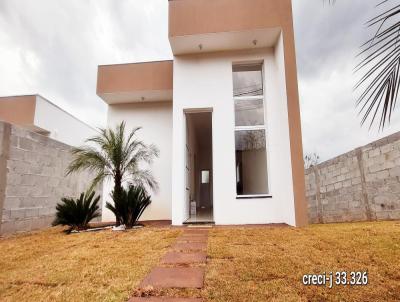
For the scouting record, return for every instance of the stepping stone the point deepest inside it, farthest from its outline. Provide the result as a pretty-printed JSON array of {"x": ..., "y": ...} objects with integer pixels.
[
  {"x": 184, "y": 258},
  {"x": 189, "y": 246},
  {"x": 199, "y": 232},
  {"x": 192, "y": 239},
  {"x": 175, "y": 277},
  {"x": 186, "y": 237},
  {"x": 195, "y": 234},
  {"x": 164, "y": 299}
]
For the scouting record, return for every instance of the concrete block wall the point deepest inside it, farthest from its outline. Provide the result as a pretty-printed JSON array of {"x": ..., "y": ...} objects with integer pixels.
[
  {"x": 361, "y": 185},
  {"x": 32, "y": 179}
]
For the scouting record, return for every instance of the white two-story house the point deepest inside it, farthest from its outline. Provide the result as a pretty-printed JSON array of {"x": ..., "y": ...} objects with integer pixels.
[{"x": 224, "y": 114}]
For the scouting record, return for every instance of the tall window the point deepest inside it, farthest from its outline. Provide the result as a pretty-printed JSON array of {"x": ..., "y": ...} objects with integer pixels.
[{"x": 250, "y": 130}]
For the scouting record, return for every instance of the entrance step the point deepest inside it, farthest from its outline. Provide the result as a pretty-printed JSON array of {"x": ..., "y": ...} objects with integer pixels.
[{"x": 199, "y": 223}]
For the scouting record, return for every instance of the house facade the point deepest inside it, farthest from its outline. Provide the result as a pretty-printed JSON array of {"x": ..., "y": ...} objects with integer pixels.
[{"x": 224, "y": 114}]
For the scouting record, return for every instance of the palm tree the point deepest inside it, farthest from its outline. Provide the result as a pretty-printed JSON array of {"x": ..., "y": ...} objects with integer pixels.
[{"x": 117, "y": 157}]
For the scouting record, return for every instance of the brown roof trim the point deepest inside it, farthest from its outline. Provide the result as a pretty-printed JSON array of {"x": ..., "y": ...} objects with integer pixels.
[
  {"x": 132, "y": 63},
  {"x": 17, "y": 95}
]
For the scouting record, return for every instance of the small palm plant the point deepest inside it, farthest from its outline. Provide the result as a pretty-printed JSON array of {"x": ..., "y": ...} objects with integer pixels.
[
  {"x": 130, "y": 206},
  {"x": 118, "y": 157},
  {"x": 77, "y": 213}
]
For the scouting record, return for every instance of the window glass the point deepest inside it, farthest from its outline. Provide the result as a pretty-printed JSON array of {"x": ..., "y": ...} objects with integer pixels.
[
  {"x": 249, "y": 112},
  {"x": 247, "y": 80},
  {"x": 251, "y": 162},
  {"x": 250, "y": 130}
]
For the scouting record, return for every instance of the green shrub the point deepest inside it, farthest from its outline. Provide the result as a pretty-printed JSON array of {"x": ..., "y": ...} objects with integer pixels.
[
  {"x": 130, "y": 205},
  {"x": 77, "y": 213}
]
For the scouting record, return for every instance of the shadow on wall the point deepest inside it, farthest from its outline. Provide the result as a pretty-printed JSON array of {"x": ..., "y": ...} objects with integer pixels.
[
  {"x": 33, "y": 180},
  {"x": 361, "y": 185}
]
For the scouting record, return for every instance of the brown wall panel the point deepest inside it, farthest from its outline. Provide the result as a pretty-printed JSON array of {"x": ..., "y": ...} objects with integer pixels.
[
  {"x": 135, "y": 77},
  {"x": 19, "y": 110}
]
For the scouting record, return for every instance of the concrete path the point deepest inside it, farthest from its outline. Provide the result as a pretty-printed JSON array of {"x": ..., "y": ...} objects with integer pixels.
[{"x": 180, "y": 267}]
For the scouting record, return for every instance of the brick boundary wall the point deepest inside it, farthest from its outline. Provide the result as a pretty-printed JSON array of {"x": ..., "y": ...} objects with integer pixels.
[
  {"x": 361, "y": 185},
  {"x": 33, "y": 180}
]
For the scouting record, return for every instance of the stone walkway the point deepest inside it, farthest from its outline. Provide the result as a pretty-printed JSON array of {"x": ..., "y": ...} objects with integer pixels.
[{"x": 180, "y": 267}]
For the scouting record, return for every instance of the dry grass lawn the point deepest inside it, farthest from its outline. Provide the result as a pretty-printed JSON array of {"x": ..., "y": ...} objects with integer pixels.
[
  {"x": 245, "y": 264},
  {"x": 268, "y": 264},
  {"x": 102, "y": 266}
]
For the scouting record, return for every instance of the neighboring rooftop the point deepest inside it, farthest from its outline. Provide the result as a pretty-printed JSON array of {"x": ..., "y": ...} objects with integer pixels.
[{"x": 38, "y": 114}]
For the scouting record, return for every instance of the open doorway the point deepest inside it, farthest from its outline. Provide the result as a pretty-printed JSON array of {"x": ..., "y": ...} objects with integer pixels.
[{"x": 199, "y": 172}]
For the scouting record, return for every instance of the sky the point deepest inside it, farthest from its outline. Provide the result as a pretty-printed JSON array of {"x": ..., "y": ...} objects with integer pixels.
[{"x": 53, "y": 47}]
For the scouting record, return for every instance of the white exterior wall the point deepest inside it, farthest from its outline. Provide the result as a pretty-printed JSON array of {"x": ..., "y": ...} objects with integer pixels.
[
  {"x": 156, "y": 121},
  {"x": 61, "y": 125},
  {"x": 205, "y": 81}
]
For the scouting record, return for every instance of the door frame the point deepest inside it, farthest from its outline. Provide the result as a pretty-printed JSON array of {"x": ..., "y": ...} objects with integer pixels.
[{"x": 194, "y": 111}]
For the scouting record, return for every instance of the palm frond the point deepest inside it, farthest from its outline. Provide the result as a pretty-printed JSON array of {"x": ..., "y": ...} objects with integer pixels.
[
  {"x": 99, "y": 177},
  {"x": 145, "y": 154},
  {"x": 77, "y": 213},
  {"x": 130, "y": 207},
  {"x": 143, "y": 178},
  {"x": 380, "y": 65},
  {"x": 88, "y": 158}
]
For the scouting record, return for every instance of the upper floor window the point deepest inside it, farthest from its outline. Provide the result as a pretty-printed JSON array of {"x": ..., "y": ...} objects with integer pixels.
[
  {"x": 247, "y": 80},
  {"x": 248, "y": 94},
  {"x": 250, "y": 130}
]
